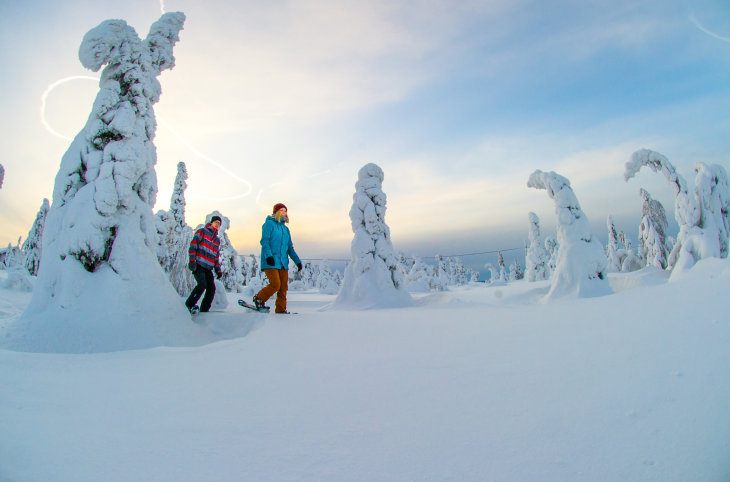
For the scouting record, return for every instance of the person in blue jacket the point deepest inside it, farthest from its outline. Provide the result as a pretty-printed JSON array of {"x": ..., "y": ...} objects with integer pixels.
[{"x": 276, "y": 249}]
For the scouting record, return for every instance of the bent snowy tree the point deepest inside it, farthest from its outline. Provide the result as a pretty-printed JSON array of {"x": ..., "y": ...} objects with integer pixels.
[
  {"x": 100, "y": 238},
  {"x": 372, "y": 279},
  {"x": 702, "y": 214},
  {"x": 580, "y": 269}
]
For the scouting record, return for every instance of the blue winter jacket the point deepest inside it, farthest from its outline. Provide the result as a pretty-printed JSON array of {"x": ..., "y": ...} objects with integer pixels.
[{"x": 276, "y": 243}]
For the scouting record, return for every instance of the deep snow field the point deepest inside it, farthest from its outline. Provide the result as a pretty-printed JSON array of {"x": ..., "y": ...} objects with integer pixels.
[{"x": 474, "y": 384}]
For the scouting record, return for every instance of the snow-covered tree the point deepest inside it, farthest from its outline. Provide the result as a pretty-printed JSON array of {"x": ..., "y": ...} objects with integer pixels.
[
  {"x": 503, "y": 276},
  {"x": 420, "y": 276},
  {"x": 174, "y": 237},
  {"x": 653, "y": 232},
  {"x": 12, "y": 261},
  {"x": 100, "y": 235},
  {"x": 32, "y": 247},
  {"x": 307, "y": 275},
  {"x": 536, "y": 258},
  {"x": 460, "y": 273},
  {"x": 12, "y": 257},
  {"x": 326, "y": 282},
  {"x": 493, "y": 273},
  {"x": 701, "y": 213},
  {"x": 551, "y": 247},
  {"x": 631, "y": 261},
  {"x": 613, "y": 252},
  {"x": 2, "y": 175},
  {"x": 372, "y": 279},
  {"x": 581, "y": 262},
  {"x": 441, "y": 273},
  {"x": 252, "y": 269},
  {"x": 513, "y": 271}
]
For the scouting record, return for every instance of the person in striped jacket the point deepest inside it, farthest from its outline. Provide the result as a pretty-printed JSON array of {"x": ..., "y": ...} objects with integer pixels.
[{"x": 204, "y": 260}]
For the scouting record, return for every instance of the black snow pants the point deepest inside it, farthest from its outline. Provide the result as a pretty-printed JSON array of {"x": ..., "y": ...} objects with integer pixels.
[{"x": 206, "y": 282}]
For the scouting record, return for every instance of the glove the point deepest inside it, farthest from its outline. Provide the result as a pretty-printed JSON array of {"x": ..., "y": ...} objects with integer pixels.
[
  {"x": 299, "y": 266},
  {"x": 218, "y": 273},
  {"x": 270, "y": 261},
  {"x": 193, "y": 266}
]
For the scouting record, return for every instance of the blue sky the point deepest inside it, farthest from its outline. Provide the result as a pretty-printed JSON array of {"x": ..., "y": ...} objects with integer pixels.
[{"x": 458, "y": 102}]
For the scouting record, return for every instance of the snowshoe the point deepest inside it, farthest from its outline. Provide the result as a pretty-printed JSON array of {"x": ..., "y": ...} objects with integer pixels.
[
  {"x": 194, "y": 310},
  {"x": 261, "y": 308}
]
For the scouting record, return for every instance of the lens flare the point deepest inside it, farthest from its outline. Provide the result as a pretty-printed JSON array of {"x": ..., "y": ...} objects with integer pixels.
[
  {"x": 47, "y": 92},
  {"x": 697, "y": 24}
]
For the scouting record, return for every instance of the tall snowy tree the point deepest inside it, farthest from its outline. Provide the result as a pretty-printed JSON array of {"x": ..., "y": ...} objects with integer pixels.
[
  {"x": 581, "y": 262},
  {"x": 536, "y": 258},
  {"x": 174, "y": 237},
  {"x": 701, "y": 213},
  {"x": 32, "y": 247},
  {"x": 2, "y": 175},
  {"x": 653, "y": 232},
  {"x": 613, "y": 251},
  {"x": 100, "y": 236},
  {"x": 372, "y": 279},
  {"x": 441, "y": 272}
]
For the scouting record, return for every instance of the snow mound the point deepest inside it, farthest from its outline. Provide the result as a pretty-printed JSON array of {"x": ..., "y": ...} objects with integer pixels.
[{"x": 113, "y": 319}]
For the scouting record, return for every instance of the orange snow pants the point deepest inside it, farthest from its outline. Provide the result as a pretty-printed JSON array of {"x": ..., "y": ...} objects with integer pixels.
[{"x": 279, "y": 284}]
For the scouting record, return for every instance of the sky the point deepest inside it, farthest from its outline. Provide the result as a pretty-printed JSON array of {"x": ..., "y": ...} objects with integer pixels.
[{"x": 458, "y": 102}]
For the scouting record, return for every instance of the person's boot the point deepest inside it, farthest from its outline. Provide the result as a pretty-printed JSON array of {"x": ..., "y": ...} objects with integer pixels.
[{"x": 259, "y": 304}]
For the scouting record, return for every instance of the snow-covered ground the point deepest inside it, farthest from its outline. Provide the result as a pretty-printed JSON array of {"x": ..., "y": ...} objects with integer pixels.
[{"x": 480, "y": 383}]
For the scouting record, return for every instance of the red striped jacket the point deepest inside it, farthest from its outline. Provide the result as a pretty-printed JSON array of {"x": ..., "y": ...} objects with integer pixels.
[{"x": 205, "y": 248}]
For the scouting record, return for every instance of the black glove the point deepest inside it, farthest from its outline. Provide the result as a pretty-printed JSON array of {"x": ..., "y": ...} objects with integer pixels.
[
  {"x": 270, "y": 261},
  {"x": 193, "y": 266},
  {"x": 218, "y": 273},
  {"x": 299, "y": 266}
]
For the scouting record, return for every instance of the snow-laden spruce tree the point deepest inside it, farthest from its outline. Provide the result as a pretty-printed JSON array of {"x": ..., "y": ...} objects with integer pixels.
[
  {"x": 16, "y": 277},
  {"x": 614, "y": 253},
  {"x": 581, "y": 262},
  {"x": 701, "y": 213},
  {"x": 503, "y": 273},
  {"x": 32, "y": 247},
  {"x": 653, "y": 232},
  {"x": 372, "y": 279},
  {"x": 536, "y": 259},
  {"x": 100, "y": 286},
  {"x": 2, "y": 175},
  {"x": 494, "y": 276},
  {"x": 551, "y": 247},
  {"x": 12, "y": 257},
  {"x": 420, "y": 277},
  {"x": 515, "y": 271},
  {"x": 326, "y": 282},
  {"x": 174, "y": 236}
]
